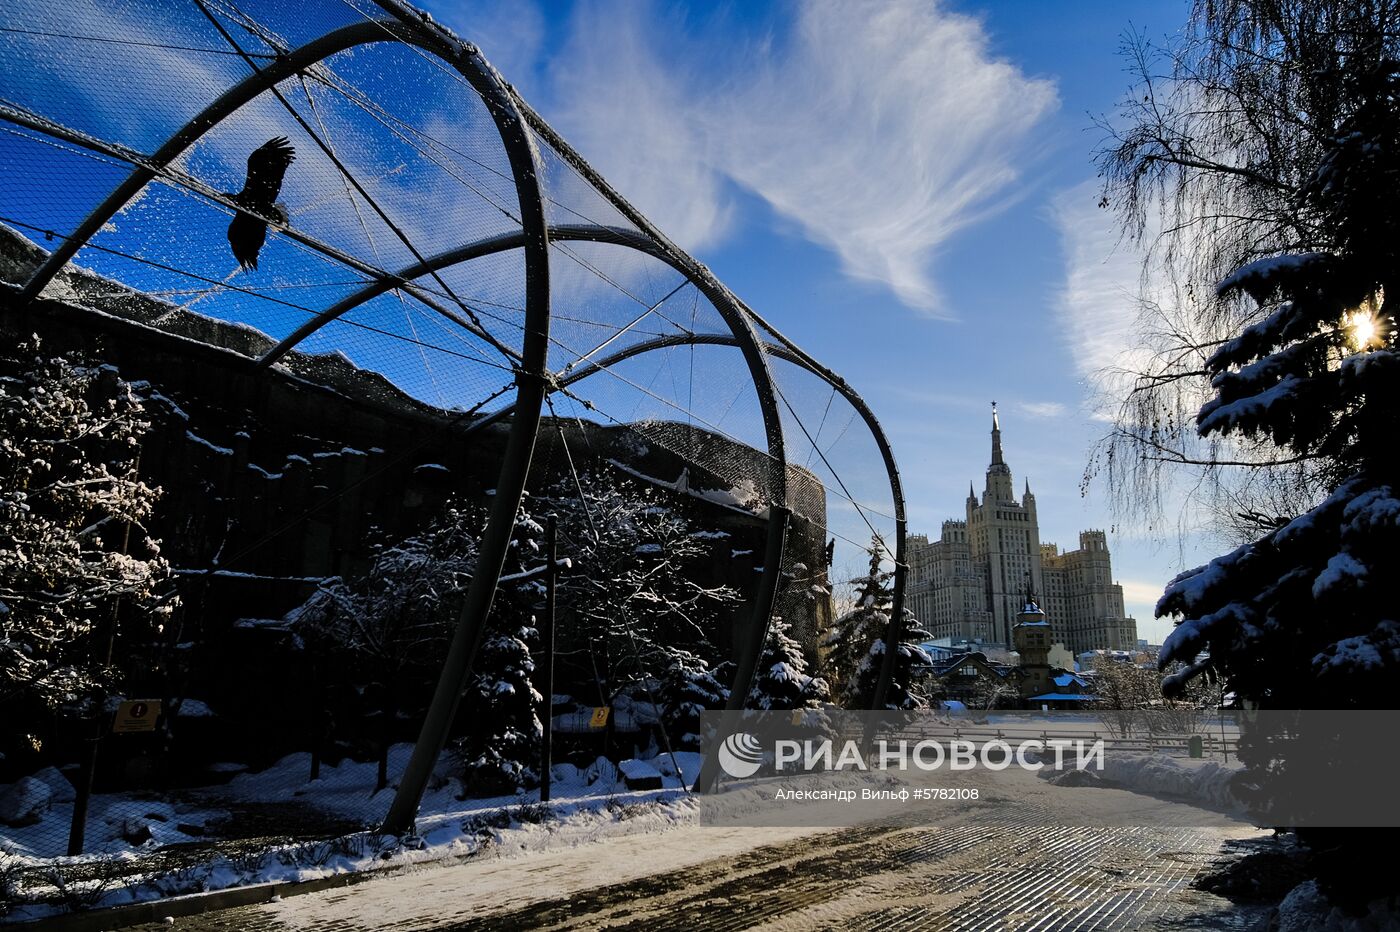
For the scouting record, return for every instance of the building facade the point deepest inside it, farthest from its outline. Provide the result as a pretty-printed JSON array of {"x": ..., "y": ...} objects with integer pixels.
[{"x": 973, "y": 580}]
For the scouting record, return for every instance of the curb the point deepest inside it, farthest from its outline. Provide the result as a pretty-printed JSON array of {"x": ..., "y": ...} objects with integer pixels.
[{"x": 194, "y": 904}]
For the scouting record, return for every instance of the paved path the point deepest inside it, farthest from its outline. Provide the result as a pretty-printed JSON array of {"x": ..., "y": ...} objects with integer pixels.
[{"x": 987, "y": 875}]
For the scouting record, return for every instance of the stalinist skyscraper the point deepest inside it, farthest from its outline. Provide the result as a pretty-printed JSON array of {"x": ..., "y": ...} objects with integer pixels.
[
  {"x": 974, "y": 579},
  {"x": 1002, "y": 533}
]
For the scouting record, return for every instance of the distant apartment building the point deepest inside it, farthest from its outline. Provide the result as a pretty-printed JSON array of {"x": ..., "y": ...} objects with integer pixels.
[{"x": 972, "y": 581}]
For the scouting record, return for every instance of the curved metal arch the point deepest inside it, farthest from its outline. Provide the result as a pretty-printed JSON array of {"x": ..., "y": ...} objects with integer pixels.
[
  {"x": 747, "y": 666},
  {"x": 516, "y": 122},
  {"x": 894, "y": 631},
  {"x": 792, "y": 353},
  {"x": 530, "y": 387}
]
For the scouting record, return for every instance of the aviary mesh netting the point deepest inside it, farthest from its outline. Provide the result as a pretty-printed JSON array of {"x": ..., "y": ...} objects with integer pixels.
[{"x": 341, "y": 338}]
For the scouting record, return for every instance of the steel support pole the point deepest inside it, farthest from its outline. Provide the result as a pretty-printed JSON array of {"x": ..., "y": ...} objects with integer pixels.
[
  {"x": 752, "y": 646},
  {"x": 87, "y": 774},
  {"x": 894, "y": 631},
  {"x": 732, "y": 310},
  {"x": 531, "y": 387}
]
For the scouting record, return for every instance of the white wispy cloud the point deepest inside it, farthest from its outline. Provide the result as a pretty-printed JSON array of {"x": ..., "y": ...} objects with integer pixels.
[
  {"x": 1098, "y": 302},
  {"x": 878, "y": 129},
  {"x": 1042, "y": 409}
]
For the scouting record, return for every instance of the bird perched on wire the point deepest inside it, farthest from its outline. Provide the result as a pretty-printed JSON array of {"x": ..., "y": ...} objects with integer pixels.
[{"x": 267, "y": 165}]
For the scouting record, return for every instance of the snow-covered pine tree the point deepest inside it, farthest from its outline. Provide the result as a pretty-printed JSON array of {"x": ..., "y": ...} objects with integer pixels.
[
  {"x": 1303, "y": 611},
  {"x": 687, "y": 688},
  {"x": 1275, "y": 161},
  {"x": 76, "y": 563},
  {"x": 904, "y": 694},
  {"x": 783, "y": 682},
  {"x": 500, "y": 751},
  {"x": 1304, "y": 616},
  {"x": 847, "y": 642}
]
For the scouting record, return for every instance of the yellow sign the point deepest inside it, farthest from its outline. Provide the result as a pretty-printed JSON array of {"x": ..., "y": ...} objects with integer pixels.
[
  {"x": 136, "y": 715},
  {"x": 600, "y": 717}
]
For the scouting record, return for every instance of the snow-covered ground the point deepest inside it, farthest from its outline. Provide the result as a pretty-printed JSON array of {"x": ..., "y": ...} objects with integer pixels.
[{"x": 587, "y": 805}]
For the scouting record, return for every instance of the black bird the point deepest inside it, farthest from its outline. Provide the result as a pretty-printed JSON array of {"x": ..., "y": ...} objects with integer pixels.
[{"x": 266, "y": 167}]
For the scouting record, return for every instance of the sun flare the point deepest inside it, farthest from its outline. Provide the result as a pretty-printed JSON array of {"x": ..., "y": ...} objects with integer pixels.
[{"x": 1363, "y": 330}]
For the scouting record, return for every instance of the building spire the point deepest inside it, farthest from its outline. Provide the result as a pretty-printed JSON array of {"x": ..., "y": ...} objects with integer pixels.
[{"x": 996, "y": 438}]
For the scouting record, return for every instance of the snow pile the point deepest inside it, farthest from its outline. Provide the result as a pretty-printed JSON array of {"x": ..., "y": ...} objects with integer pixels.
[
  {"x": 118, "y": 824},
  {"x": 25, "y": 802},
  {"x": 740, "y": 497},
  {"x": 1203, "y": 782},
  {"x": 344, "y": 790},
  {"x": 1306, "y": 910}
]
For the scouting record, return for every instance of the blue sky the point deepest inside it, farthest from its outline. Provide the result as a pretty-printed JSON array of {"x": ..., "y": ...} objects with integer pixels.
[{"x": 905, "y": 188}]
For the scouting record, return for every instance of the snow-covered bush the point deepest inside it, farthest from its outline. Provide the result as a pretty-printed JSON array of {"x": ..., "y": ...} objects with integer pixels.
[
  {"x": 76, "y": 563},
  {"x": 386, "y": 630},
  {"x": 632, "y": 605},
  {"x": 398, "y": 615},
  {"x": 389, "y": 629},
  {"x": 633, "y": 621}
]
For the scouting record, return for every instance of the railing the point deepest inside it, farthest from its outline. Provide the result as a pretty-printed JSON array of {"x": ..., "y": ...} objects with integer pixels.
[{"x": 1211, "y": 744}]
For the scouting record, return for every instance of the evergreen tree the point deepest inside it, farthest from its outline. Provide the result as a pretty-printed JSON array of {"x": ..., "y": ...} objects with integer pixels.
[
  {"x": 903, "y": 694},
  {"x": 688, "y": 688},
  {"x": 500, "y": 750},
  {"x": 1275, "y": 158},
  {"x": 1300, "y": 608},
  {"x": 851, "y": 637},
  {"x": 782, "y": 681}
]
